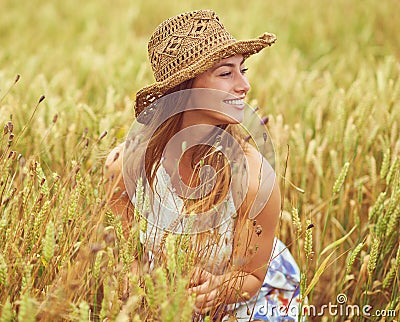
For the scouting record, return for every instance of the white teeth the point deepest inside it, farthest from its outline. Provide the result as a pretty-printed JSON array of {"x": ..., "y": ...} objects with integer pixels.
[{"x": 234, "y": 102}]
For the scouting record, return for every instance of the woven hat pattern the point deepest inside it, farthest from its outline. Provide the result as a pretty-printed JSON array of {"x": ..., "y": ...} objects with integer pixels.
[
  {"x": 190, "y": 36},
  {"x": 186, "y": 45}
]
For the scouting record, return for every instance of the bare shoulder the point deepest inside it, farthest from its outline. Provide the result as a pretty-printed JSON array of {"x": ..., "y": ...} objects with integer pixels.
[
  {"x": 113, "y": 164},
  {"x": 113, "y": 171},
  {"x": 118, "y": 199},
  {"x": 260, "y": 172},
  {"x": 263, "y": 189}
]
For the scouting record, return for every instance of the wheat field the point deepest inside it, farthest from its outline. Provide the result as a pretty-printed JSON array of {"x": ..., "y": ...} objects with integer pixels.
[{"x": 330, "y": 87}]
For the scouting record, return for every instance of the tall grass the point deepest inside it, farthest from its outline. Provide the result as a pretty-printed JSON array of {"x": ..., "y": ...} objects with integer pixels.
[{"x": 331, "y": 90}]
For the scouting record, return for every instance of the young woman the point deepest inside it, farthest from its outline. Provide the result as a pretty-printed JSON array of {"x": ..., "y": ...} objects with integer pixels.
[{"x": 205, "y": 175}]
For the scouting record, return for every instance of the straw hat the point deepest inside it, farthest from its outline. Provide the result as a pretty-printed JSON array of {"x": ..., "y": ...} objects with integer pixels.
[{"x": 185, "y": 46}]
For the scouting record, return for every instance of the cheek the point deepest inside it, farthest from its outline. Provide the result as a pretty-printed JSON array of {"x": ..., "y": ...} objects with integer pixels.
[
  {"x": 206, "y": 81},
  {"x": 221, "y": 85},
  {"x": 201, "y": 81}
]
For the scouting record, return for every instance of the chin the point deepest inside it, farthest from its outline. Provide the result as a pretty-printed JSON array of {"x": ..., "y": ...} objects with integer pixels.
[
  {"x": 234, "y": 120},
  {"x": 229, "y": 123}
]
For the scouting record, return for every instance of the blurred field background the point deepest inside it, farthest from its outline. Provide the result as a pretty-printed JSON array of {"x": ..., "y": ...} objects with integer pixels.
[{"x": 330, "y": 87}]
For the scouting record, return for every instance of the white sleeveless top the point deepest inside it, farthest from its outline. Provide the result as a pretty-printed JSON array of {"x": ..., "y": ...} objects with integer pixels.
[{"x": 165, "y": 218}]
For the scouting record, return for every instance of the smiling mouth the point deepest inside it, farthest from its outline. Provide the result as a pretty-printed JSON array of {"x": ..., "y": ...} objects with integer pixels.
[{"x": 239, "y": 103}]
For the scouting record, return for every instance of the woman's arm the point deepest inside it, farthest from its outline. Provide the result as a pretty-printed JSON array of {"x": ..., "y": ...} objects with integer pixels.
[
  {"x": 253, "y": 241},
  {"x": 118, "y": 199}
]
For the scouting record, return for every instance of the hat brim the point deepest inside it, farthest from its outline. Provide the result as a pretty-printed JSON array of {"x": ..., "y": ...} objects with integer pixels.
[{"x": 149, "y": 94}]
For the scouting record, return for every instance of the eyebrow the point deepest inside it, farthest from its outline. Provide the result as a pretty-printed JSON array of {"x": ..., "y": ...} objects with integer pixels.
[{"x": 226, "y": 65}]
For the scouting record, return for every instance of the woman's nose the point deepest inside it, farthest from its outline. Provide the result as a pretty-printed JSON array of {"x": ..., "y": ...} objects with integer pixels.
[{"x": 242, "y": 84}]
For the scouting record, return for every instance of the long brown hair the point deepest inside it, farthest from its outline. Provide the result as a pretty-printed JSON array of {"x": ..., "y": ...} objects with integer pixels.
[{"x": 145, "y": 157}]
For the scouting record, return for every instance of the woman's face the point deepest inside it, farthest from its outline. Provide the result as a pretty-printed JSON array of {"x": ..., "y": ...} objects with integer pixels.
[{"x": 226, "y": 107}]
